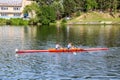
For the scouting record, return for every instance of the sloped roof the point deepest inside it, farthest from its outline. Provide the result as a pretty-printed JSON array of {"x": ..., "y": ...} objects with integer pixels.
[{"x": 10, "y": 2}]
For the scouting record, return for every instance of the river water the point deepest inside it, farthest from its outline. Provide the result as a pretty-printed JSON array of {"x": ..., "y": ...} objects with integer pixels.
[{"x": 97, "y": 65}]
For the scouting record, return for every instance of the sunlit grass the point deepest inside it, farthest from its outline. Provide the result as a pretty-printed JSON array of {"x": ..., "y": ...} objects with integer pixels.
[{"x": 94, "y": 17}]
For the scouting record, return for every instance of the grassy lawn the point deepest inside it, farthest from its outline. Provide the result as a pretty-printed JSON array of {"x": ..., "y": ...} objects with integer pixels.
[{"x": 95, "y": 17}]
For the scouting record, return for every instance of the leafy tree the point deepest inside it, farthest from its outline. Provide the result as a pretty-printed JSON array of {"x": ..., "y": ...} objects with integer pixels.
[
  {"x": 44, "y": 2},
  {"x": 115, "y": 4},
  {"x": 48, "y": 10},
  {"x": 118, "y": 1},
  {"x": 32, "y": 9},
  {"x": 58, "y": 6},
  {"x": 79, "y": 5},
  {"x": 90, "y": 4},
  {"x": 69, "y": 7},
  {"x": 48, "y": 14}
]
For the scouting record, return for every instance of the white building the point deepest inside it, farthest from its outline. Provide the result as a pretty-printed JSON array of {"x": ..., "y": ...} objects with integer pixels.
[{"x": 13, "y": 8}]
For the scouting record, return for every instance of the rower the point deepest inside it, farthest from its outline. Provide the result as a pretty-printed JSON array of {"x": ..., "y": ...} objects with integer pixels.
[
  {"x": 57, "y": 46},
  {"x": 69, "y": 46}
]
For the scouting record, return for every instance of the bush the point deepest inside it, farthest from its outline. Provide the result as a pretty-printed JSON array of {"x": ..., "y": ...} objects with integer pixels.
[
  {"x": 2, "y": 21},
  {"x": 45, "y": 21},
  {"x": 23, "y": 22},
  {"x": 78, "y": 14},
  {"x": 17, "y": 21},
  {"x": 13, "y": 21},
  {"x": 8, "y": 22},
  {"x": 64, "y": 20},
  {"x": 33, "y": 21}
]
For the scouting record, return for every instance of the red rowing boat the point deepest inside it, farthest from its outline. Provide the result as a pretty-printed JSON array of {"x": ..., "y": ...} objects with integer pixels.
[{"x": 61, "y": 50}]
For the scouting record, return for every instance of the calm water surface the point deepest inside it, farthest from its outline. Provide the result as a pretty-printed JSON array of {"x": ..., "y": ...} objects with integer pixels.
[{"x": 60, "y": 66}]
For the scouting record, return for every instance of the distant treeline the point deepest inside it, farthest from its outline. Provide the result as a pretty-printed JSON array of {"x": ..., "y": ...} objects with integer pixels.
[
  {"x": 67, "y": 7},
  {"x": 48, "y": 11},
  {"x": 51, "y": 10}
]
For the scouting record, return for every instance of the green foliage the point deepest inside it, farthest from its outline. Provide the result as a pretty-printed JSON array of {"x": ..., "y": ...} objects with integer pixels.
[
  {"x": 77, "y": 13},
  {"x": 48, "y": 15},
  {"x": 17, "y": 21},
  {"x": 30, "y": 8},
  {"x": 64, "y": 20},
  {"x": 33, "y": 21},
  {"x": 44, "y": 2},
  {"x": 69, "y": 7},
  {"x": 59, "y": 9},
  {"x": 90, "y": 4},
  {"x": 63, "y": 8},
  {"x": 75, "y": 5},
  {"x": 13, "y": 21},
  {"x": 8, "y": 22},
  {"x": 2, "y": 21}
]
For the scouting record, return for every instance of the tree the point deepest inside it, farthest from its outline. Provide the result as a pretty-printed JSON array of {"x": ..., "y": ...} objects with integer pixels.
[
  {"x": 90, "y": 5},
  {"x": 79, "y": 5},
  {"x": 58, "y": 6},
  {"x": 44, "y": 2},
  {"x": 69, "y": 7},
  {"x": 47, "y": 15},
  {"x": 48, "y": 10},
  {"x": 115, "y": 4},
  {"x": 32, "y": 9}
]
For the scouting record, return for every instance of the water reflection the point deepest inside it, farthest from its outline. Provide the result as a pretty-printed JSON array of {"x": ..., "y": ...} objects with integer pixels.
[{"x": 101, "y": 35}]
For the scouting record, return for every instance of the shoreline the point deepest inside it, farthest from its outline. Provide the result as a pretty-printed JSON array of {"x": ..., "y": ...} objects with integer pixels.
[{"x": 96, "y": 23}]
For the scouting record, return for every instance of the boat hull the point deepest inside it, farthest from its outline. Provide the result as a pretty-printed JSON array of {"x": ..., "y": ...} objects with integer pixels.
[{"x": 61, "y": 50}]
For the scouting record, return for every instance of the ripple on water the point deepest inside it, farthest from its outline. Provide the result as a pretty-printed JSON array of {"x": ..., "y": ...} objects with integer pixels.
[{"x": 103, "y": 65}]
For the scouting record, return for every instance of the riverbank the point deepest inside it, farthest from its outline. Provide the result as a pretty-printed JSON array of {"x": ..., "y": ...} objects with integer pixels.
[
  {"x": 84, "y": 18},
  {"x": 96, "y": 18},
  {"x": 95, "y": 22},
  {"x": 14, "y": 21}
]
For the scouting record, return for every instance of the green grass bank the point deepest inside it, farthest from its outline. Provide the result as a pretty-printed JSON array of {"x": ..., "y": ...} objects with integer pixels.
[{"x": 95, "y": 18}]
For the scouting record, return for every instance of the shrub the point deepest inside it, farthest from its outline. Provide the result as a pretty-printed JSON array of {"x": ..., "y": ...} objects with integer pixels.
[
  {"x": 78, "y": 14},
  {"x": 17, "y": 21},
  {"x": 2, "y": 21},
  {"x": 64, "y": 20},
  {"x": 33, "y": 21}
]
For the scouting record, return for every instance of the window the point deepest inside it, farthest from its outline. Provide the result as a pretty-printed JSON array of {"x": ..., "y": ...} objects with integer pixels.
[
  {"x": 4, "y": 8},
  {"x": 4, "y": 14},
  {"x": 17, "y": 14},
  {"x": 16, "y": 8}
]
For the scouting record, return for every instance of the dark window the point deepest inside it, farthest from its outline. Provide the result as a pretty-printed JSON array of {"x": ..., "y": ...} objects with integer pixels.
[
  {"x": 16, "y": 14},
  {"x": 4, "y": 8},
  {"x": 16, "y": 8},
  {"x": 4, "y": 14}
]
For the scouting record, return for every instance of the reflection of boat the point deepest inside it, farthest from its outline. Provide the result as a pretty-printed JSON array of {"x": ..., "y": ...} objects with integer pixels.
[{"x": 61, "y": 50}]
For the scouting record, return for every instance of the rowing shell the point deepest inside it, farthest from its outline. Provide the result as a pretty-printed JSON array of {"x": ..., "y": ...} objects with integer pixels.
[{"x": 61, "y": 50}]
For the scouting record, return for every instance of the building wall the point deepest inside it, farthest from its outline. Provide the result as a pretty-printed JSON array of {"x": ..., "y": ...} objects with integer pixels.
[
  {"x": 25, "y": 3},
  {"x": 13, "y": 10}
]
